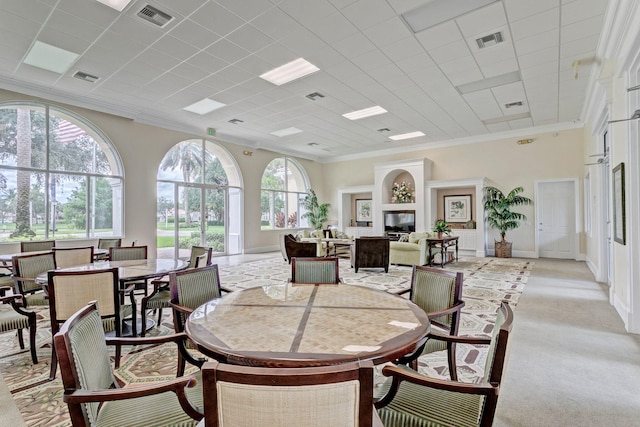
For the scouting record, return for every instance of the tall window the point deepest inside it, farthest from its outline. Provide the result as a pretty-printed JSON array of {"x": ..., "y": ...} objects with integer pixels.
[
  {"x": 199, "y": 200},
  {"x": 284, "y": 186},
  {"x": 60, "y": 178}
]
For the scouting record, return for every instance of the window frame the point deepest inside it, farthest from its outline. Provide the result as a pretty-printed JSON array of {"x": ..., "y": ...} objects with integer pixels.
[{"x": 272, "y": 194}]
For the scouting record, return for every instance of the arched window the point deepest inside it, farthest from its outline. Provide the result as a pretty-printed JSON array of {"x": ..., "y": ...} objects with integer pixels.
[
  {"x": 284, "y": 186},
  {"x": 60, "y": 177},
  {"x": 199, "y": 200}
]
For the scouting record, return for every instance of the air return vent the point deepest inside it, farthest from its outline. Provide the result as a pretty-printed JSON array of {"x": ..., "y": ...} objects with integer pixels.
[
  {"x": 85, "y": 76},
  {"x": 155, "y": 16},
  {"x": 490, "y": 40}
]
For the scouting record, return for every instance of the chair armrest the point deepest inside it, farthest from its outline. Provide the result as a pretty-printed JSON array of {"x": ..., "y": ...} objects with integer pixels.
[
  {"x": 459, "y": 339},
  {"x": 177, "y": 386},
  {"x": 17, "y": 302},
  {"x": 449, "y": 310},
  {"x": 181, "y": 308},
  {"x": 223, "y": 289},
  {"x": 146, "y": 340},
  {"x": 404, "y": 374},
  {"x": 4, "y": 289}
]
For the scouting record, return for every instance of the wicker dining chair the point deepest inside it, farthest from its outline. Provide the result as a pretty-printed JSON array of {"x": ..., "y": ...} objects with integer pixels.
[
  {"x": 315, "y": 270},
  {"x": 420, "y": 401},
  {"x": 25, "y": 270},
  {"x": 94, "y": 396},
  {"x": 189, "y": 290},
  {"x": 69, "y": 257},
  {"x": 335, "y": 395},
  {"x": 36, "y": 245},
  {"x": 69, "y": 291},
  {"x": 13, "y": 316},
  {"x": 160, "y": 295}
]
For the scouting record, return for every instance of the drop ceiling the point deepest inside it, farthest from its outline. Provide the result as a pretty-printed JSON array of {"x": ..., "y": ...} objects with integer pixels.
[{"x": 436, "y": 81}]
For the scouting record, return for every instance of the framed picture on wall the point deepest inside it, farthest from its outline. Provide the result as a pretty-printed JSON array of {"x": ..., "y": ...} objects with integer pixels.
[
  {"x": 363, "y": 210},
  {"x": 457, "y": 208},
  {"x": 619, "y": 216}
]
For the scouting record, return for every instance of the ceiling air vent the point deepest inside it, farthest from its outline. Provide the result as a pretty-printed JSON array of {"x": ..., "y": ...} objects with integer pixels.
[
  {"x": 513, "y": 104},
  {"x": 236, "y": 121},
  {"x": 85, "y": 76},
  {"x": 155, "y": 16},
  {"x": 315, "y": 95},
  {"x": 384, "y": 130},
  {"x": 490, "y": 40}
]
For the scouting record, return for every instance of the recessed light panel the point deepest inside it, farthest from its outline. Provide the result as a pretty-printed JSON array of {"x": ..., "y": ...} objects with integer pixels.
[
  {"x": 406, "y": 135},
  {"x": 289, "y": 72},
  {"x": 499, "y": 80},
  {"x": 48, "y": 57},
  {"x": 435, "y": 12},
  {"x": 286, "y": 132},
  {"x": 367, "y": 112},
  {"x": 203, "y": 107},
  {"x": 118, "y": 5}
]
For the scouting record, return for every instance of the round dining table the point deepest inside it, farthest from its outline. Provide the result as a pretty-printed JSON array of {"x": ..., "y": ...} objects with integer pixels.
[
  {"x": 297, "y": 325},
  {"x": 130, "y": 270}
]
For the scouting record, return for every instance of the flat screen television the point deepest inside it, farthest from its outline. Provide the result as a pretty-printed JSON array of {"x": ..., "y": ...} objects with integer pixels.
[{"x": 401, "y": 222}]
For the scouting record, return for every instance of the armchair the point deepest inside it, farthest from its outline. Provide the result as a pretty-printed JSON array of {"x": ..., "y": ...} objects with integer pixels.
[
  {"x": 160, "y": 296},
  {"x": 337, "y": 395},
  {"x": 294, "y": 248},
  {"x": 370, "y": 252},
  {"x": 13, "y": 316},
  {"x": 69, "y": 291},
  {"x": 92, "y": 393},
  {"x": 414, "y": 251},
  {"x": 417, "y": 400},
  {"x": 36, "y": 245},
  {"x": 315, "y": 270},
  {"x": 68, "y": 257},
  {"x": 25, "y": 270},
  {"x": 439, "y": 293}
]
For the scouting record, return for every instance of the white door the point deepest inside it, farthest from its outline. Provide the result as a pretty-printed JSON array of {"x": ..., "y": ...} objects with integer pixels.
[{"x": 556, "y": 214}]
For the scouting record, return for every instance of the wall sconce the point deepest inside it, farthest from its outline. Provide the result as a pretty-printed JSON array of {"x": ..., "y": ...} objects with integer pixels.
[
  {"x": 247, "y": 153},
  {"x": 525, "y": 141}
]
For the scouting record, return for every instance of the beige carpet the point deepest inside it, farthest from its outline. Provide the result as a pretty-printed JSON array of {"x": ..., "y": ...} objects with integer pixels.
[{"x": 488, "y": 281}]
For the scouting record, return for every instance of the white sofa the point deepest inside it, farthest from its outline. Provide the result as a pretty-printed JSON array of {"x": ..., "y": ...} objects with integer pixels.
[
  {"x": 317, "y": 236},
  {"x": 412, "y": 252}
]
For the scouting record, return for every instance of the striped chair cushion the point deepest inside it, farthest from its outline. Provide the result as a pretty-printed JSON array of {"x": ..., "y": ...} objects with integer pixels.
[
  {"x": 419, "y": 406},
  {"x": 11, "y": 320},
  {"x": 309, "y": 406},
  {"x": 159, "y": 300},
  {"x": 109, "y": 324},
  {"x": 197, "y": 287},
  {"x": 30, "y": 267},
  {"x": 433, "y": 292},
  {"x": 38, "y": 298},
  {"x": 315, "y": 272}
]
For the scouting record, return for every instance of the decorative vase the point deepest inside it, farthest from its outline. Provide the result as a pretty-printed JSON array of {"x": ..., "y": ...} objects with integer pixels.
[{"x": 439, "y": 235}]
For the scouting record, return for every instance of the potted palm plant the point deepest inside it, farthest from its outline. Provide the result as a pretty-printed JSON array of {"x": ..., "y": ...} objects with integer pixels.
[
  {"x": 316, "y": 213},
  {"x": 440, "y": 227},
  {"x": 499, "y": 215}
]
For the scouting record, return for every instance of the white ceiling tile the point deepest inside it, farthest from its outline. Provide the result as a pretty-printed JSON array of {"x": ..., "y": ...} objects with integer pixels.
[
  {"x": 539, "y": 57},
  {"x": 227, "y": 51},
  {"x": 306, "y": 11},
  {"x": 77, "y": 27},
  {"x": 365, "y": 13},
  {"x": 276, "y": 24},
  {"x": 194, "y": 34},
  {"x": 482, "y": 21},
  {"x": 354, "y": 45},
  {"x": 96, "y": 13},
  {"x": 511, "y": 92},
  {"x": 538, "y": 42},
  {"x": 493, "y": 54},
  {"x": 536, "y": 24},
  {"x": 174, "y": 47},
  {"x": 207, "y": 62},
  {"x": 581, "y": 47},
  {"x": 498, "y": 68},
  {"x": 333, "y": 27},
  {"x": 580, "y": 10},
  {"x": 519, "y": 9},
  {"x": 464, "y": 75},
  {"x": 370, "y": 60},
  {"x": 249, "y": 38},
  {"x": 520, "y": 123},
  {"x": 440, "y": 35},
  {"x": 403, "y": 49},
  {"x": 277, "y": 54},
  {"x": 390, "y": 31},
  {"x": 416, "y": 63},
  {"x": 458, "y": 65},
  {"x": 217, "y": 18},
  {"x": 67, "y": 41},
  {"x": 581, "y": 29},
  {"x": 455, "y": 50},
  {"x": 235, "y": 74},
  {"x": 498, "y": 127},
  {"x": 247, "y": 9},
  {"x": 483, "y": 103}
]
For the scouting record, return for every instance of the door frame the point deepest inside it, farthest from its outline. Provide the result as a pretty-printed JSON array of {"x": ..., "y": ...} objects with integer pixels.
[{"x": 579, "y": 227}]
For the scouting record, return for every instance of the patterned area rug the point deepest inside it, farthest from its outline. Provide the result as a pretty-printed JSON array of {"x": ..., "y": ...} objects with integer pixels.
[{"x": 487, "y": 282}]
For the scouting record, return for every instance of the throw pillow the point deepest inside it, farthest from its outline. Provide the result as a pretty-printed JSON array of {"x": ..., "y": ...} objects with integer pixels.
[{"x": 404, "y": 238}]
